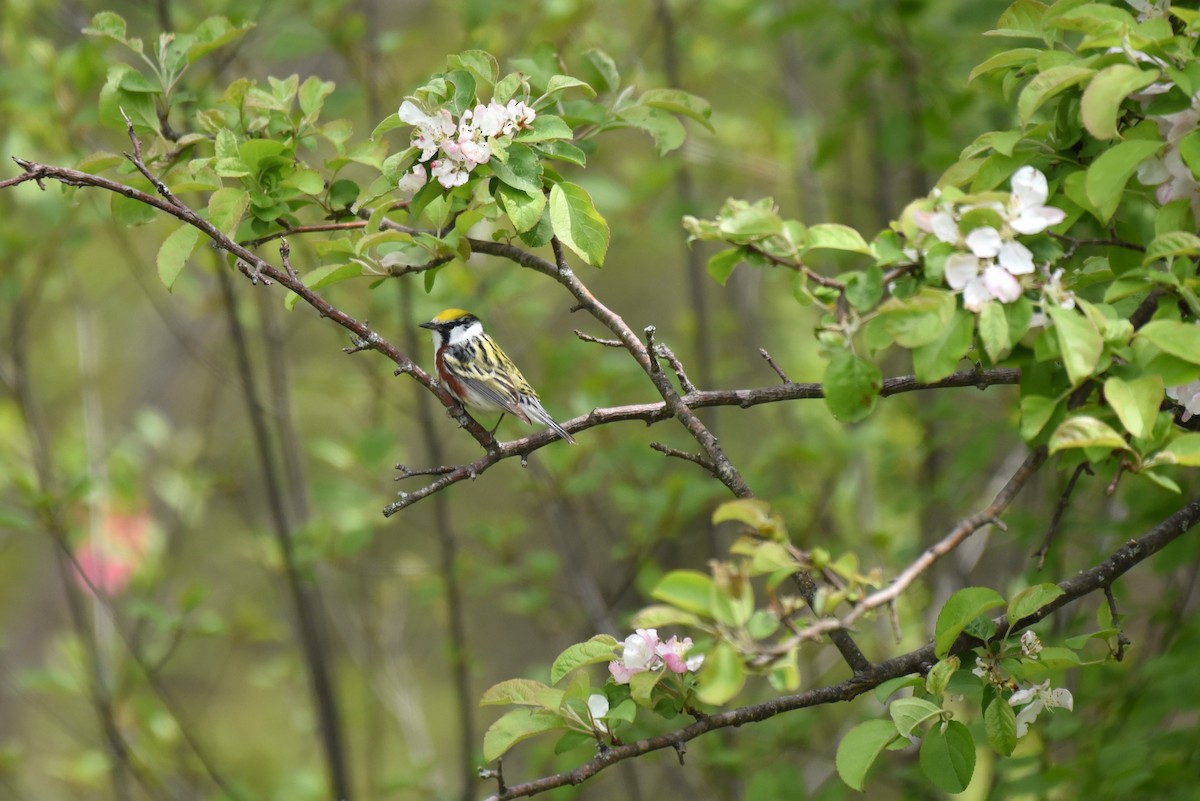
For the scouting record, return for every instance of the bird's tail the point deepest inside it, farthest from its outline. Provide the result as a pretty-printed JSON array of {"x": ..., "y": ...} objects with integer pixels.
[{"x": 535, "y": 411}]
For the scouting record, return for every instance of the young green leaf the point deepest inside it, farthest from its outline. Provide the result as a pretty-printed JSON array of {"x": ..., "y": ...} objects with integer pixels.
[
  {"x": 518, "y": 725},
  {"x": 1000, "y": 724},
  {"x": 1108, "y": 174},
  {"x": 851, "y": 385},
  {"x": 577, "y": 223},
  {"x": 1102, "y": 99},
  {"x": 1135, "y": 401},
  {"x": 959, "y": 611},
  {"x": 525, "y": 692},
  {"x": 909, "y": 713},
  {"x": 601, "y": 648},
  {"x": 174, "y": 253},
  {"x": 948, "y": 757},
  {"x": 1030, "y": 600},
  {"x": 859, "y": 749},
  {"x": 1079, "y": 341},
  {"x": 722, "y": 676},
  {"x": 935, "y": 360},
  {"x": 1085, "y": 432}
]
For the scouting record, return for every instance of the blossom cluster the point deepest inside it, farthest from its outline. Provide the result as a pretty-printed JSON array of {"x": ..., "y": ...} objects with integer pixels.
[
  {"x": 1033, "y": 697},
  {"x": 462, "y": 145},
  {"x": 989, "y": 261},
  {"x": 644, "y": 651}
]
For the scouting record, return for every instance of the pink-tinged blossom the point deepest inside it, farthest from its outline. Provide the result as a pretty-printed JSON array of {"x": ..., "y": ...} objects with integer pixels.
[
  {"x": 413, "y": 180},
  {"x": 639, "y": 655},
  {"x": 449, "y": 172},
  {"x": 1187, "y": 396},
  {"x": 644, "y": 651},
  {"x": 108, "y": 561},
  {"x": 674, "y": 655}
]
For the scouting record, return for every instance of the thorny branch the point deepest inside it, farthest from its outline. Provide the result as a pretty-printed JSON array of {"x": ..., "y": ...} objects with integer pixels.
[{"x": 919, "y": 661}]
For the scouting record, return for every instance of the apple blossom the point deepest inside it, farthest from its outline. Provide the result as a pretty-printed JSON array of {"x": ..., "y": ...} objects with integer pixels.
[
  {"x": 1039, "y": 697},
  {"x": 1188, "y": 396}
]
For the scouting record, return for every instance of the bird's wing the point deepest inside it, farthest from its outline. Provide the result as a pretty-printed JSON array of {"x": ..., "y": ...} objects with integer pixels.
[{"x": 490, "y": 383}]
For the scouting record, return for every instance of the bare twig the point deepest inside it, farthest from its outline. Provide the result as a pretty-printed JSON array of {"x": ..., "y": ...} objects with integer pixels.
[
  {"x": 1122, "y": 640},
  {"x": 685, "y": 383},
  {"x": 778, "y": 370},
  {"x": 694, "y": 458},
  {"x": 1059, "y": 509},
  {"x": 608, "y": 343}
]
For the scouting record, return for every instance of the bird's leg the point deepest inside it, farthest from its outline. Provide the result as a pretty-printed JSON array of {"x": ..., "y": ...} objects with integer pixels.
[{"x": 496, "y": 427}]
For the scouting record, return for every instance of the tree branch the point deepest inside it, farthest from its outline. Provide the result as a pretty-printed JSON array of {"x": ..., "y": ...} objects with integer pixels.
[{"x": 918, "y": 661}]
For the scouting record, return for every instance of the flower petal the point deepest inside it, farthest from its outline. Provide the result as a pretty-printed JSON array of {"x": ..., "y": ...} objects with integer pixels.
[
  {"x": 1001, "y": 284},
  {"x": 1016, "y": 258},
  {"x": 960, "y": 269},
  {"x": 984, "y": 242}
]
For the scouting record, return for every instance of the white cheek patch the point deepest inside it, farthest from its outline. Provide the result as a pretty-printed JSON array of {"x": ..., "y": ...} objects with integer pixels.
[{"x": 465, "y": 334}]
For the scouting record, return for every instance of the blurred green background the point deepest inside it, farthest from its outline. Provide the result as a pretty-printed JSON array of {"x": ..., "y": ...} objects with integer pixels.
[{"x": 841, "y": 111}]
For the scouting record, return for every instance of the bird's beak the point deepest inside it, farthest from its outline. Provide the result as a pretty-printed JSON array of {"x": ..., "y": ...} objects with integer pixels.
[{"x": 430, "y": 325}]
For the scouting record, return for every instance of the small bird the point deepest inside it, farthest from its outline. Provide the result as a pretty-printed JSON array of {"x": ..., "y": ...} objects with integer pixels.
[{"x": 473, "y": 368}]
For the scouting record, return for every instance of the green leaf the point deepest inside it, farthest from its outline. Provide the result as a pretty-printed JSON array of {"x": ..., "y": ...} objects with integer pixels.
[
  {"x": 689, "y": 590},
  {"x": 309, "y": 182},
  {"x": 600, "y": 648},
  {"x": 909, "y": 713},
  {"x": 479, "y": 63},
  {"x": 109, "y": 24},
  {"x": 521, "y": 170},
  {"x": 993, "y": 331},
  {"x": 1108, "y": 174},
  {"x": 919, "y": 319},
  {"x": 174, "y": 253},
  {"x": 515, "y": 726},
  {"x": 127, "y": 211},
  {"x": 659, "y": 615},
  {"x": 312, "y": 97},
  {"x": 1085, "y": 432},
  {"x": 865, "y": 289},
  {"x": 577, "y": 223},
  {"x": 721, "y": 265},
  {"x": 935, "y": 360},
  {"x": 1036, "y": 411},
  {"x": 523, "y": 208},
  {"x": 560, "y": 83},
  {"x": 1185, "y": 449},
  {"x": 1000, "y": 724},
  {"x": 641, "y": 686},
  {"x": 1046, "y": 85},
  {"x": 1030, "y": 600},
  {"x": 722, "y": 676},
  {"x": 885, "y": 690},
  {"x": 1181, "y": 340},
  {"x": 959, "y": 611},
  {"x": 226, "y": 207},
  {"x": 1136, "y": 402},
  {"x": 667, "y": 131},
  {"x": 859, "y": 749},
  {"x": 546, "y": 127},
  {"x": 1102, "y": 99},
  {"x": 1170, "y": 244},
  {"x": 525, "y": 692},
  {"x": 605, "y": 67},
  {"x": 851, "y": 385},
  {"x": 1005, "y": 60},
  {"x": 948, "y": 757},
  {"x": 940, "y": 674},
  {"x": 832, "y": 236},
  {"x": 1079, "y": 342},
  {"x": 679, "y": 102}
]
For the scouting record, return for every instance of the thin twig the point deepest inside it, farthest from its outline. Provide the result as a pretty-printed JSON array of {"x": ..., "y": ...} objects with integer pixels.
[
  {"x": 1122, "y": 640},
  {"x": 1059, "y": 509},
  {"x": 778, "y": 370},
  {"x": 608, "y": 343},
  {"x": 694, "y": 458},
  {"x": 685, "y": 383}
]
